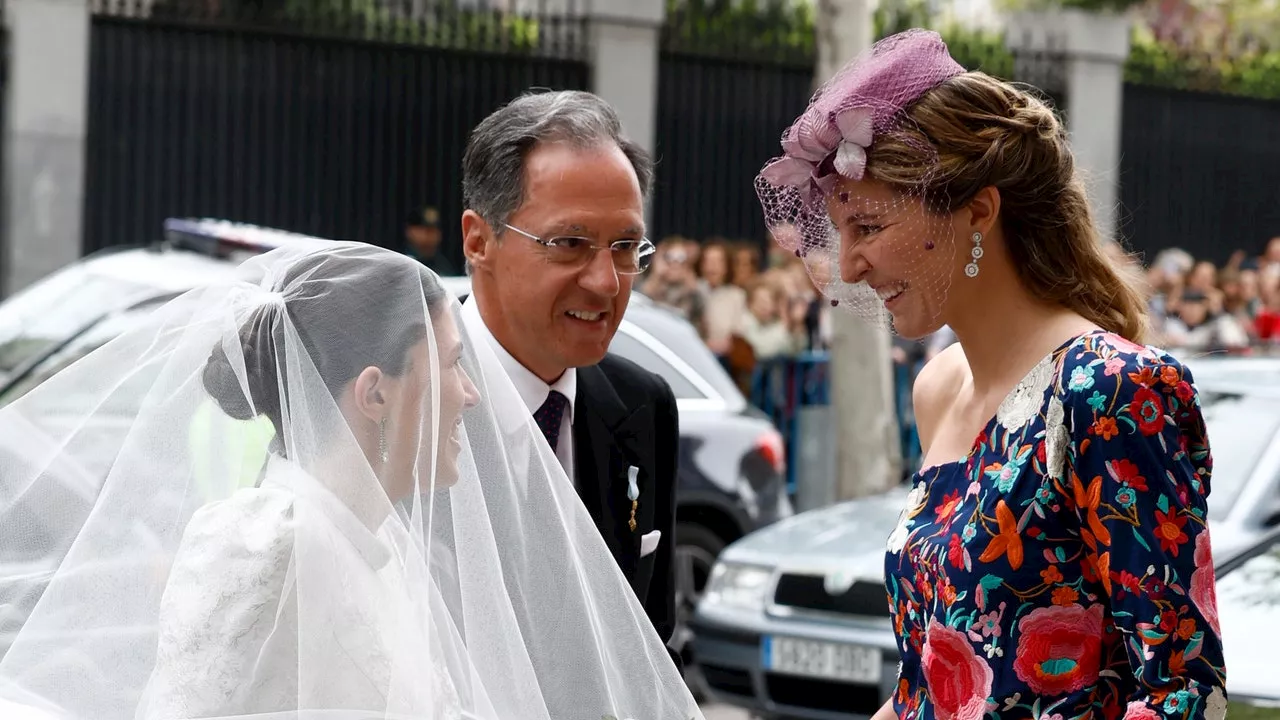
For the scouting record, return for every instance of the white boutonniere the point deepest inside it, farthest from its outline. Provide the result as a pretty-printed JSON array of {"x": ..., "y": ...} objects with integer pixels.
[{"x": 633, "y": 493}]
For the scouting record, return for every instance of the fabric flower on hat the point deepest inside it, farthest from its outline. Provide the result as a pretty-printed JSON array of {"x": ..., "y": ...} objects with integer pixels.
[{"x": 818, "y": 142}]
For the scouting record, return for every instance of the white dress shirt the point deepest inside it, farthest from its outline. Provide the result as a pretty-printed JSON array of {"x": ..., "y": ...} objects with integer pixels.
[{"x": 531, "y": 388}]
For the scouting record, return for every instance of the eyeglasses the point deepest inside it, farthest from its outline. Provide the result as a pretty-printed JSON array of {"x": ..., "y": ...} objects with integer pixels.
[{"x": 630, "y": 257}]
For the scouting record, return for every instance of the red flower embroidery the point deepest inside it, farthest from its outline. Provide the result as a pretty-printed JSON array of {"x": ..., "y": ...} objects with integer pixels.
[
  {"x": 1127, "y": 581},
  {"x": 948, "y": 506},
  {"x": 1147, "y": 408},
  {"x": 1060, "y": 649},
  {"x": 1126, "y": 472},
  {"x": 955, "y": 551},
  {"x": 1184, "y": 391},
  {"x": 959, "y": 681},
  {"x": 1169, "y": 530}
]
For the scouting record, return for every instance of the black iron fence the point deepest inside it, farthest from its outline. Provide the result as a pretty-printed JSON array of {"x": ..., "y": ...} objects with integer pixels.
[
  {"x": 1199, "y": 171},
  {"x": 719, "y": 121},
  {"x": 730, "y": 80},
  {"x": 330, "y": 128}
]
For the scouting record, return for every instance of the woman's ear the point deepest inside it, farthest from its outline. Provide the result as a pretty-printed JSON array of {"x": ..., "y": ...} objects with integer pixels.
[
  {"x": 983, "y": 210},
  {"x": 370, "y": 393}
]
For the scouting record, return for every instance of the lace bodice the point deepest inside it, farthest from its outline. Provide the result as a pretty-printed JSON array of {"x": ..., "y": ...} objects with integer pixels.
[{"x": 279, "y": 601}]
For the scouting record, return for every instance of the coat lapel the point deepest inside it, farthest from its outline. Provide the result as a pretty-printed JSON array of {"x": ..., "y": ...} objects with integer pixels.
[{"x": 603, "y": 450}]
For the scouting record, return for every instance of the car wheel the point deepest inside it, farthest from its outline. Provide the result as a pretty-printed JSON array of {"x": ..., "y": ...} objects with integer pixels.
[{"x": 695, "y": 553}]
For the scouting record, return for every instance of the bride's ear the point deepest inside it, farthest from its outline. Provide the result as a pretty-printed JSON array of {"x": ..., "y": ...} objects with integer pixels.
[{"x": 370, "y": 393}]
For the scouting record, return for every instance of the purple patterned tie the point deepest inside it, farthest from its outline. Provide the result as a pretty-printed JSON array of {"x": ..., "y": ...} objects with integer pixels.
[{"x": 550, "y": 416}]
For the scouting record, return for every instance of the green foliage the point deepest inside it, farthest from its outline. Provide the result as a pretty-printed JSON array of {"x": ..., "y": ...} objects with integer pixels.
[
  {"x": 983, "y": 50},
  {"x": 1253, "y": 73},
  {"x": 1113, "y": 6},
  {"x": 778, "y": 30},
  {"x": 443, "y": 24},
  {"x": 975, "y": 49}
]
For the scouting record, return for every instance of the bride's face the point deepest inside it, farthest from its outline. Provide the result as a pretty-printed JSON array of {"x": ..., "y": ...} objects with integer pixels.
[{"x": 412, "y": 456}]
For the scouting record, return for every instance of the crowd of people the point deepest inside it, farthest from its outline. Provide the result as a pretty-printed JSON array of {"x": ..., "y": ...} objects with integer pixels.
[
  {"x": 740, "y": 299},
  {"x": 1198, "y": 306}
]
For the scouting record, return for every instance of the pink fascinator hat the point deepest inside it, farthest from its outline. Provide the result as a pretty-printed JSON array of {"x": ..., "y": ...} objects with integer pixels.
[{"x": 832, "y": 138}]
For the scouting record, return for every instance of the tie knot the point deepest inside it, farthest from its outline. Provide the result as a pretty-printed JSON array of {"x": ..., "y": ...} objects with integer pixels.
[{"x": 551, "y": 416}]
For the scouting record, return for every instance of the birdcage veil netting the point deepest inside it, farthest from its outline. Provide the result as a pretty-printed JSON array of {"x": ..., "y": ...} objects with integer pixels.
[
  {"x": 814, "y": 196},
  {"x": 306, "y": 494}
]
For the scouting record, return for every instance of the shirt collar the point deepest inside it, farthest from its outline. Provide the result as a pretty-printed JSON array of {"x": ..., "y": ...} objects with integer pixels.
[{"x": 533, "y": 391}]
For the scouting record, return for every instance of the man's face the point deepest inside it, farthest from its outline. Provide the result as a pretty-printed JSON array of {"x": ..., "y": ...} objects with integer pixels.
[
  {"x": 424, "y": 238},
  {"x": 552, "y": 316}
]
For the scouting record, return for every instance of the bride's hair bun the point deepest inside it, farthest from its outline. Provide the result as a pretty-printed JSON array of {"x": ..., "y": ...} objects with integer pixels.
[
  {"x": 223, "y": 381},
  {"x": 351, "y": 309}
]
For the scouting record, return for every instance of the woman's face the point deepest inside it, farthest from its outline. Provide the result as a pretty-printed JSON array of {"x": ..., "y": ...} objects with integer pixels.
[
  {"x": 715, "y": 266},
  {"x": 744, "y": 266},
  {"x": 764, "y": 304},
  {"x": 410, "y": 423},
  {"x": 1203, "y": 277},
  {"x": 904, "y": 253}
]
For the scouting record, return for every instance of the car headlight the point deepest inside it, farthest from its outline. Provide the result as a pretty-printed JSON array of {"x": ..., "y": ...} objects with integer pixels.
[{"x": 738, "y": 585}]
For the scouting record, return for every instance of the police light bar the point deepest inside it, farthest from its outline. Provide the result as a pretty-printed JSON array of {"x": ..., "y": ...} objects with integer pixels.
[{"x": 222, "y": 238}]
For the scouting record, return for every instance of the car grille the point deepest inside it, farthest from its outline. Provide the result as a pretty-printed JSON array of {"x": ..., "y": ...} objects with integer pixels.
[{"x": 807, "y": 592}]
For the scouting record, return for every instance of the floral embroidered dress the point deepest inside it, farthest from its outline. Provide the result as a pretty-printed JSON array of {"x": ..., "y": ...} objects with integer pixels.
[{"x": 1061, "y": 570}]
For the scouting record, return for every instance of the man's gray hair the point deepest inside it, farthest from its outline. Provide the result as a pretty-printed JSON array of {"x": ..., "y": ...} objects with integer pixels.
[{"x": 493, "y": 165}]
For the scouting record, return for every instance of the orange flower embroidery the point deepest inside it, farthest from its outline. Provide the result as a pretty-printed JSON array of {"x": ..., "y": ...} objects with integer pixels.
[
  {"x": 1087, "y": 501},
  {"x": 1051, "y": 575},
  {"x": 1105, "y": 427},
  {"x": 1065, "y": 596},
  {"x": 1144, "y": 377},
  {"x": 1007, "y": 542}
]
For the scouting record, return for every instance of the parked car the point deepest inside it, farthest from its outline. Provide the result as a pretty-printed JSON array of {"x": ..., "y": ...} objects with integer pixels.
[
  {"x": 731, "y": 467},
  {"x": 795, "y": 623},
  {"x": 1248, "y": 591}
]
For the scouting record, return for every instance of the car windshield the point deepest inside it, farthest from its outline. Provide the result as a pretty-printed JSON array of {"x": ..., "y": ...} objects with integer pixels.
[
  {"x": 682, "y": 339},
  {"x": 1240, "y": 428},
  {"x": 633, "y": 350},
  {"x": 84, "y": 342},
  {"x": 47, "y": 314}
]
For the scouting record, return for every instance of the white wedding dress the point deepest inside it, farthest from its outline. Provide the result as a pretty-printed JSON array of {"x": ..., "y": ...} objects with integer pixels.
[{"x": 230, "y": 641}]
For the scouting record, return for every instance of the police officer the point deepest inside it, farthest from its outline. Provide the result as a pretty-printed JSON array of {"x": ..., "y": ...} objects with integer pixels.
[{"x": 422, "y": 240}]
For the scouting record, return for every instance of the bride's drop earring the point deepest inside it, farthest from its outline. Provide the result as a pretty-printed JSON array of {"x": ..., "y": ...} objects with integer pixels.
[
  {"x": 971, "y": 269},
  {"x": 382, "y": 440}
]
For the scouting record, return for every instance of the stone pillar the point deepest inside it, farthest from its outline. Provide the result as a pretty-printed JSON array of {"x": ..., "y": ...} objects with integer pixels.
[
  {"x": 1093, "y": 48},
  {"x": 624, "y": 62},
  {"x": 868, "y": 457},
  {"x": 44, "y": 138}
]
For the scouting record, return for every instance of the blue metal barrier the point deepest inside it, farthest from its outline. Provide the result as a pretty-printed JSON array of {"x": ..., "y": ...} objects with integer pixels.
[{"x": 780, "y": 388}]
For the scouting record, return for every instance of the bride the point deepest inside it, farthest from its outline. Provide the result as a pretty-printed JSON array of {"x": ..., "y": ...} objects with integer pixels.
[{"x": 410, "y": 549}]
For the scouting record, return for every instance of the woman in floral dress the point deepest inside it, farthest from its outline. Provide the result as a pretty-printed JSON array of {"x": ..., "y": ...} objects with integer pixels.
[{"x": 1053, "y": 560}]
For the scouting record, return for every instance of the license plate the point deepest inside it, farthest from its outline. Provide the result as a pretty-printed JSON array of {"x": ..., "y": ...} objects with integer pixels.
[{"x": 830, "y": 661}]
